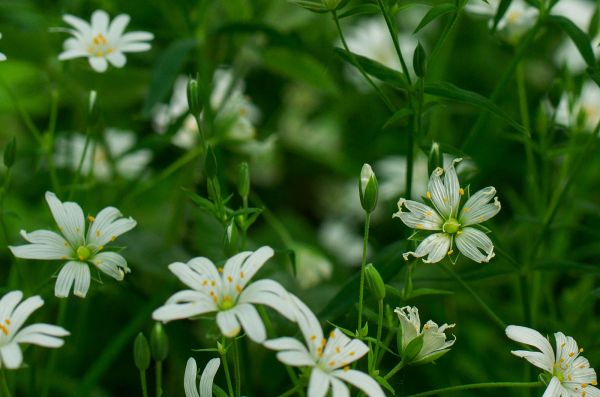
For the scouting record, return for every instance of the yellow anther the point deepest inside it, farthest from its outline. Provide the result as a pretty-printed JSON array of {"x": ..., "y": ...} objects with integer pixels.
[
  {"x": 562, "y": 360},
  {"x": 461, "y": 191},
  {"x": 481, "y": 219},
  {"x": 91, "y": 218},
  {"x": 337, "y": 350},
  {"x": 594, "y": 383},
  {"x": 331, "y": 363},
  {"x": 7, "y": 321},
  {"x": 428, "y": 213},
  {"x": 220, "y": 270},
  {"x": 230, "y": 279},
  {"x": 459, "y": 232},
  {"x": 351, "y": 353},
  {"x": 581, "y": 350},
  {"x": 419, "y": 226},
  {"x": 205, "y": 282},
  {"x": 466, "y": 209},
  {"x": 583, "y": 385},
  {"x": 238, "y": 288},
  {"x": 113, "y": 238},
  {"x": 331, "y": 334},
  {"x": 4, "y": 329},
  {"x": 313, "y": 337},
  {"x": 450, "y": 252},
  {"x": 97, "y": 233},
  {"x": 571, "y": 354},
  {"x": 213, "y": 283},
  {"x": 241, "y": 274},
  {"x": 323, "y": 342},
  {"x": 100, "y": 248},
  {"x": 428, "y": 195},
  {"x": 346, "y": 368}
]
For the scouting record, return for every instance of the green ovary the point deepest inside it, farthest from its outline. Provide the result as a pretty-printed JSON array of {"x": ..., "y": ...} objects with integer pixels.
[
  {"x": 83, "y": 253},
  {"x": 451, "y": 226}
]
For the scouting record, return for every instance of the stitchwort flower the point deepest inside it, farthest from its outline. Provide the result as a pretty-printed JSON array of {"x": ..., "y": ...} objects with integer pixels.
[
  {"x": 12, "y": 316},
  {"x": 569, "y": 373},
  {"x": 329, "y": 359},
  {"x": 453, "y": 223},
  {"x": 78, "y": 248},
  {"x": 228, "y": 292},
  {"x": 103, "y": 42},
  {"x": 206, "y": 379}
]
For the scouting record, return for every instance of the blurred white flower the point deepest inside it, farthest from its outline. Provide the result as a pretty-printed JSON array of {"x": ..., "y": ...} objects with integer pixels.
[
  {"x": 581, "y": 111},
  {"x": 342, "y": 241},
  {"x": 2, "y": 56},
  {"x": 391, "y": 173},
  {"x": 204, "y": 388},
  {"x": 312, "y": 267},
  {"x": 571, "y": 373},
  {"x": 103, "y": 42},
  {"x": 445, "y": 196},
  {"x": 328, "y": 359},
  {"x": 516, "y": 21},
  {"x": 12, "y": 317},
  {"x": 79, "y": 248},
  {"x": 434, "y": 345},
  {"x": 116, "y": 148},
  {"x": 229, "y": 294}
]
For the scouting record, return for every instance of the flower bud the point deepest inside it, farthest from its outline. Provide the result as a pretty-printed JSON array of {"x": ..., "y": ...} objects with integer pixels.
[
  {"x": 436, "y": 159},
  {"x": 193, "y": 97},
  {"x": 231, "y": 239},
  {"x": 368, "y": 188},
  {"x": 141, "y": 352},
  {"x": 10, "y": 152},
  {"x": 93, "y": 108},
  {"x": 420, "y": 61},
  {"x": 243, "y": 182},
  {"x": 159, "y": 343},
  {"x": 375, "y": 282}
]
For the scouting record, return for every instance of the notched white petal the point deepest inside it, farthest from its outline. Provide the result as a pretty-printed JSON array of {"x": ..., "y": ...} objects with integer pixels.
[{"x": 433, "y": 249}]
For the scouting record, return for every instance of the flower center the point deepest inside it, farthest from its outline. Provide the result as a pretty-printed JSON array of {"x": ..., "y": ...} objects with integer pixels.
[
  {"x": 451, "y": 226},
  {"x": 83, "y": 253},
  {"x": 99, "y": 46},
  {"x": 226, "y": 303}
]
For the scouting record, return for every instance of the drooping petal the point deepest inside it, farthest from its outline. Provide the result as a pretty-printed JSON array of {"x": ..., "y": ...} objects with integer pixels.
[
  {"x": 475, "y": 244},
  {"x": 65, "y": 278},
  {"x": 46, "y": 335},
  {"x": 410, "y": 323},
  {"x": 478, "y": 208},
  {"x": 434, "y": 248},
  {"x": 11, "y": 354},
  {"x": 208, "y": 376},
  {"x": 255, "y": 261},
  {"x": 189, "y": 378},
  {"x": 23, "y": 311},
  {"x": 45, "y": 245},
  {"x": 361, "y": 381},
  {"x": 338, "y": 388},
  {"x": 437, "y": 193},
  {"x": 251, "y": 322},
  {"x": 533, "y": 338},
  {"x": 112, "y": 264},
  {"x": 69, "y": 218},
  {"x": 554, "y": 389},
  {"x": 434, "y": 339},
  {"x": 420, "y": 216},
  {"x": 82, "y": 281},
  {"x": 99, "y": 64},
  {"x": 269, "y": 293},
  {"x": 228, "y": 323},
  {"x": 318, "y": 384}
]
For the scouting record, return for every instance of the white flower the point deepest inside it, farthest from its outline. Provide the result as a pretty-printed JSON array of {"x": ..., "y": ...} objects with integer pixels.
[
  {"x": 114, "y": 154},
  {"x": 229, "y": 294},
  {"x": 447, "y": 217},
  {"x": 580, "y": 112},
  {"x": 79, "y": 248},
  {"x": 2, "y": 56},
  {"x": 571, "y": 373},
  {"x": 12, "y": 316},
  {"x": 206, "y": 379},
  {"x": 435, "y": 344},
  {"x": 328, "y": 359},
  {"x": 312, "y": 267},
  {"x": 516, "y": 21},
  {"x": 342, "y": 241},
  {"x": 101, "y": 41}
]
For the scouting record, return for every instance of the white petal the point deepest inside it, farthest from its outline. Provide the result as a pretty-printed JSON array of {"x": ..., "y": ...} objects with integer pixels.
[
  {"x": 284, "y": 343},
  {"x": 554, "y": 389},
  {"x": 208, "y": 376},
  {"x": 68, "y": 217},
  {"x": 318, "y": 384},
  {"x": 134, "y": 47},
  {"x": 100, "y": 21},
  {"x": 132, "y": 37},
  {"x": 82, "y": 26},
  {"x": 309, "y": 325},
  {"x": 256, "y": 261},
  {"x": 452, "y": 187},
  {"x": 434, "y": 248},
  {"x": 296, "y": 358},
  {"x": 420, "y": 216},
  {"x": 189, "y": 378},
  {"x": 475, "y": 244},
  {"x": 361, "y": 381},
  {"x": 70, "y": 54},
  {"x": 269, "y": 293},
  {"x": 339, "y": 389},
  {"x": 478, "y": 208},
  {"x": 437, "y": 193},
  {"x": 46, "y": 245},
  {"x": 9, "y": 302},
  {"x": 228, "y": 324},
  {"x": 82, "y": 281},
  {"x": 108, "y": 226},
  {"x": 184, "y": 304},
  {"x": 99, "y": 64},
  {"x": 117, "y": 27},
  {"x": 117, "y": 59},
  {"x": 251, "y": 322},
  {"x": 11, "y": 354},
  {"x": 533, "y": 338},
  {"x": 46, "y": 335},
  {"x": 65, "y": 279},
  {"x": 112, "y": 264},
  {"x": 24, "y": 310}
]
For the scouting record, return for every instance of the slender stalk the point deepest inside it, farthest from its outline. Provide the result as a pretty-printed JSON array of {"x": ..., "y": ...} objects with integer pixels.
[
  {"x": 144, "y": 383},
  {"x": 291, "y": 391},
  {"x": 362, "y": 269},
  {"x": 5, "y": 389},
  {"x": 476, "y": 296},
  {"x": 392, "y": 28},
  {"x": 227, "y": 374},
  {"x": 488, "y": 385},
  {"x": 379, "y": 330},
  {"x": 394, "y": 370},
  {"x": 60, "y": 320},
  {"x": 236, "y": 368},
  {"x": 158, "y": 372}
]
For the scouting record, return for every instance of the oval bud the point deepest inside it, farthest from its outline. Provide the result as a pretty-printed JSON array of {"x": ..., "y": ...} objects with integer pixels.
[
  {"x": 368, "y": 188},
  {"x": 375, "y": 282},
  {"x": 243, "y": 182},
  {"x": 159, "y": 343},
  {"x": 193, "y": 98},
  {"x": 420, "y": 61},
  {"x": 10, "y": 152},
  {"x": 231, "y": 239},
  {"x": 141, "y": 352},
  {"x": 93, "y": 108}
]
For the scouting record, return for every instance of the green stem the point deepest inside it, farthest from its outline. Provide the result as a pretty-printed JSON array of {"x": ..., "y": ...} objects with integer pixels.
[
  {"x": 379, "y": 330},
  {"x": 236, "y": 368},
  {"x": 392, "y": 28},
  {"x": 158, "y": 370},
  {"x": 359, "y": 66},
  {"x": 144, "y": 383},
  {"x": 488, "y": 385},
  {"x": 394, "y": 370},
  {"x": 60, "y": 321},
  {"x": 227, "y": 374},
  {"x": 362, "y": 269},
  {"x": 476, "y": 296},
  {"x": 291, "y": 391},
  {"x": 5, "y": 389},
  {"x": 80, "y": 166},
  {"x": 444, "y": 36}
]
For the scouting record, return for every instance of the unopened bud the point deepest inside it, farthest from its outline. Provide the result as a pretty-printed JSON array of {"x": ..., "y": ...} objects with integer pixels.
[
  {"x": 10, "y": 152},
  {"x": 375, "y": 282},
  {"x": 141, "y": 352},
  {"x": 193, "y": 97},
  {"x": 159, "y": 343},
  {"x": 93, "y": 108},
  {"x": 368, "y": 188},
  {"x": 231, "y": 239},
  {"x": 420, "y": 61},
  {"x": 435, "y": 157},
  {"x": 243, "y": 182}
]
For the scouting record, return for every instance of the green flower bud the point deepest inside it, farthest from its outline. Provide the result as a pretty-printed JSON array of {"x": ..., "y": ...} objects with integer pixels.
[
  {"x": 420, "y": 61},
  {"x": 435, "y": 158},
  {"x": 159, "y": 343},
  {"x": 231, "y": 239},
  {"x": 243, "y": 182},
  {"x": 141, "y": 352},
  {"x": 10, "y": 152},
  {"x": 193, "y": 98},
  {"x": 375, "y": 282},
  {"x": 93, "y": 108},
  {"x": 368, "y": 188}
]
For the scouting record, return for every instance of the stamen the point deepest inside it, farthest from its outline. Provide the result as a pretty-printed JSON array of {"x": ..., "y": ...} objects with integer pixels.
[
  {"x": 331, "y": 363},
  {"x": 428, "y": 195},
  {"x": 450, "y": 252},
  {"x": 241, "y": 274},
  {"x": 238, "y": 288},
  {"x": 230, "y": 279},
  {"x": 220, "y": 270},
  {"x": 313, "y": 337},
  {"x": 7, "y": 321},
  {"x": 337, "y": 350},
  {"x": 4, "y": 329},
  {"x": 351, "y": 353},
  {"x": 113, "y": 238},
  {"x": 461, "y": 191},
  {"x": 346, "y": 368},
  {"x": 97, "y": 233},
  {"x": 91, "y": 218}
]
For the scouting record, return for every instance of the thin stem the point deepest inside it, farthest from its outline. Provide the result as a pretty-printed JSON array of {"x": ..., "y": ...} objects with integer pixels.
[
  {"x": 476, "y": 296},
  {"x": 359, "y": 66},
  {"x": 488, "y": 385},
  {"x": 158, "y": 371},
  {"x": 80, "y": 166},
  {"x": 236, "y": 368},
  {"x": 5, "y": 389},
  {"x": 291, "y": 391},
  {"x": 392, "y": 28},
  {"x": 394, "y": 370},
  {"x": 227, "y": 375},
  {"x": 144, "y": 383},
  {"x": 442, "y": 39},
  {"x": 379, "y": 330},
  {"x": 362, "y": 269}
]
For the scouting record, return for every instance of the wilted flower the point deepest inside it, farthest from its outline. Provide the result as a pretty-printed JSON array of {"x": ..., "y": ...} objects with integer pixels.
[
  {"x": 2, "y": 56},
  {"x": 516, "y": 21},
  {"x": 77, "y": 247},
  {"x": 101, "y": 41},
  {"x": 12, "y": 316},
  {"x": 581, "y": 111},
  {"x": 206, "y": 379},
  {"x": 447, "y": 216},
  {"x": 571, "y": 373},
  {"x": 329, "y": 359},
  {"x": 434, "y": 343},
  {"x": 229, "y": 294}
]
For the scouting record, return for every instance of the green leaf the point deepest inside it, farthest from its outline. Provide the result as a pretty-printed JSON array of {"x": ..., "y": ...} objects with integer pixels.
[
  {"x": 413, "y": 348},
  {"x": 397, "y": 116},
  {"x": 594, "y": 75},
  {"x": 299, "y": 66},
  {"x": 314, "y": 6},
  {"x": 385, "y": 384},
  {"x": 452, "y": 92},
  {"x": 434, "y": 13},
  {"x": 166, "y": 71},
  {"x": 363, "y": 9},
  {"x": 578, "y": 36},
  {"x": 374, "y": 68}
]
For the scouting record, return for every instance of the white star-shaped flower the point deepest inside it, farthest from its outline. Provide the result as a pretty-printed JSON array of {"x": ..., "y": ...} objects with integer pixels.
[
  {"x": 516, "y": 21},
  {"x": 206, "y": 379},
  {"x": 571, "y": 373},
  {"x": 103, "y": 42},
  {"x": 328, "y": 359},
  {"x": 453, "y": 221},
  {"x": 12, "y": 317},
  {"x": 76, "y": 246},
  {"x": 228, "y": 292}
]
